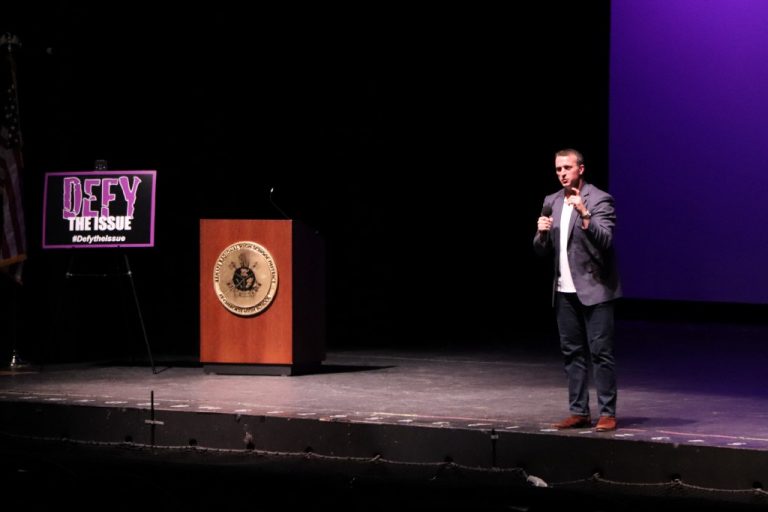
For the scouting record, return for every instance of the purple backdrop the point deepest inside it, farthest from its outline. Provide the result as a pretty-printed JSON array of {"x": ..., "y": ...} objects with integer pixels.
[{"x": 688, "y": 136}]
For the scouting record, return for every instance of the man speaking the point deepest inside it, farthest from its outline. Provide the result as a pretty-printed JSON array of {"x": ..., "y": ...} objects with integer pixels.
[{"x": 576, "y": 228}]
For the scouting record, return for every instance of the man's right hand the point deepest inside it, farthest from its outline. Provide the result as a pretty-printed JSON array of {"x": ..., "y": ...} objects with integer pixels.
[{"x": 544, "y": 224}]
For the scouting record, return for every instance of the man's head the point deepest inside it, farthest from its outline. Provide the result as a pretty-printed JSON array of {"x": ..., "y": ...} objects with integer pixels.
[{"x": 569, "y": 168}]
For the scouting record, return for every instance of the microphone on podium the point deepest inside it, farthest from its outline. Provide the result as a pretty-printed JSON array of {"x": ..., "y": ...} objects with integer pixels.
[{"x": 271, "y": 191}]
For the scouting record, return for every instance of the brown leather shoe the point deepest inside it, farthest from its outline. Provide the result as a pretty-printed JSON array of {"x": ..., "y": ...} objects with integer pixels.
[
  {"x": 606, "y": 423},
  {"x": 574, "y": 421}
]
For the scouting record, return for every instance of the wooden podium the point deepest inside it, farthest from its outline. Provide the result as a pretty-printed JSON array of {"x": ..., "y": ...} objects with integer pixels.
[{"x": 286, "y": 337}]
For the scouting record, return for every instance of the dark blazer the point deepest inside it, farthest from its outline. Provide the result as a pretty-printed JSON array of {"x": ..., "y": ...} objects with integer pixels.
[{"x": 590, "y": 251}]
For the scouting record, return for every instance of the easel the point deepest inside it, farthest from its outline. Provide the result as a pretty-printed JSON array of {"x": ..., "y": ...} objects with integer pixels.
[
  {"x": 69, "y": 274},
  {"x": 101, "y": 165}
]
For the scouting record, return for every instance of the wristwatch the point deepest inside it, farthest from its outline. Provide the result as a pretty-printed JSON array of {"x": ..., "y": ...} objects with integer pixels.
[{"x": 586, "y": 214}]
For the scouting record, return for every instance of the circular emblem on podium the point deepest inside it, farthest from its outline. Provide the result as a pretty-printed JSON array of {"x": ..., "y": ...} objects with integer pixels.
[{"x": 245, "y": 278}]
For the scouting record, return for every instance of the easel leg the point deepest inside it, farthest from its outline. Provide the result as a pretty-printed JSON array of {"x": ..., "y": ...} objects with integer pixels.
[
  {"x": 57, "y": 309},
  {"x": 138, "y": 310}
]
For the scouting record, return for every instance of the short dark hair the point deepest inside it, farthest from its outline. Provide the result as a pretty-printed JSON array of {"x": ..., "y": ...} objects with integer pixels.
[{"x": 570, "y": 151}]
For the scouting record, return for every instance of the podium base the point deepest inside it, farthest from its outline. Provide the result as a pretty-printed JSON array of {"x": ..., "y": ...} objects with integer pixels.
[{"x": 261, "y": 369}]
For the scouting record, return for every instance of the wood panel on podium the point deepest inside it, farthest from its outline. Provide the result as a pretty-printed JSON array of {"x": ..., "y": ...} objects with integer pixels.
[{"x": 288, "y": 336}]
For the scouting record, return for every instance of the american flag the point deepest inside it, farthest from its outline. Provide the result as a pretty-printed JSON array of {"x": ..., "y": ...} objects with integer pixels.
[{"x": 13, "y": 247}]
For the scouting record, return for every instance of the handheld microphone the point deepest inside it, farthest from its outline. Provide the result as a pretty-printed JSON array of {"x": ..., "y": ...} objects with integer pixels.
[
  {"x": 271, "y": 190},
  {"x": 546, "y": 211}
]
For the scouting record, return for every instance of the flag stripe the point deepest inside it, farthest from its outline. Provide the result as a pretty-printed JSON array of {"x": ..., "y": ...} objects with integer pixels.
[{"x": 13, "y": 244}]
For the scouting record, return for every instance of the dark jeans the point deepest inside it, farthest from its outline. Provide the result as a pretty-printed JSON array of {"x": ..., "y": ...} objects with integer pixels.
[{"x": 587, "y": 330}]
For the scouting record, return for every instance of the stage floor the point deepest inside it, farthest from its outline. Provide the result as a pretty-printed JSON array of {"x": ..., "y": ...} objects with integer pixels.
[{"x": 689, "y": 396}]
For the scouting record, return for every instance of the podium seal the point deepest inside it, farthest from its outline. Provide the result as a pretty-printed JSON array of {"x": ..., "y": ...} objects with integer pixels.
[{"x": 245, "y": 278}]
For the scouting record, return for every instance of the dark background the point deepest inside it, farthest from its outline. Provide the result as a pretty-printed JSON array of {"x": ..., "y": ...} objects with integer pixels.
[{"x": 419, "y": 143}]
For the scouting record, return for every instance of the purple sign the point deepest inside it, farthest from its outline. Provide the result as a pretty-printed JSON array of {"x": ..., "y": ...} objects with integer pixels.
[{"x": 99, "y": 209}]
